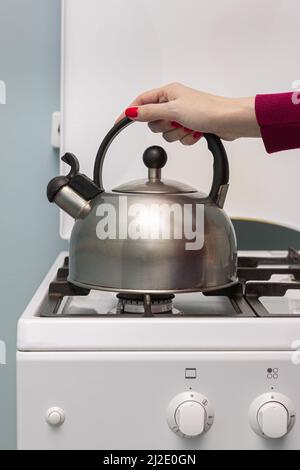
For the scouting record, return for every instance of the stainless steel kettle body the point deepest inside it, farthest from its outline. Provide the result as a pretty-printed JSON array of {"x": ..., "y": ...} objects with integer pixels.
[{"x": 148, "y": 236}]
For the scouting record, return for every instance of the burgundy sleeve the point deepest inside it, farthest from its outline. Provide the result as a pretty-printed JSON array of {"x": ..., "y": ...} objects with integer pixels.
[{"x": 278, "y": 116}]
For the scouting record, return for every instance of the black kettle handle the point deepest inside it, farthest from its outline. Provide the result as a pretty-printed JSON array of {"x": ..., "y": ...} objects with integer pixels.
[
  {"x": 221, "y": 167},
  {"x": 110, "y": 136}
]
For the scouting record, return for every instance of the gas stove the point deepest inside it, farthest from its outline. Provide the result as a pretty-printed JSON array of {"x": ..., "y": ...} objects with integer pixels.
[{"x": 101, "y": 370}]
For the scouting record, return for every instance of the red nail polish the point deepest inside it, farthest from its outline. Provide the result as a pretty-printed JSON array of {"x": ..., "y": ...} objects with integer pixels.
[
  {"x": 197, "y": 135},
  {"x": 132, "y": 112},
  {"x": 176, "y": 124},
  {"x": 186, "y": 129}
]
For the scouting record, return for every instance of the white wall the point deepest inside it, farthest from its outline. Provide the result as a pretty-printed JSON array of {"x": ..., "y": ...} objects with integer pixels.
[{"x": 116, "y": 49}]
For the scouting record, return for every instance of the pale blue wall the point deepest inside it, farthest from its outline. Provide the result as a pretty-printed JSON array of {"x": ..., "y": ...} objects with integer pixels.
[{"x": 29, "y": 242}]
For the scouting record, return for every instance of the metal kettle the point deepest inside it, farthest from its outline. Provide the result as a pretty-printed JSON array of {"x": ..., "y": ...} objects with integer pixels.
[{"x": 151, "y": 235}]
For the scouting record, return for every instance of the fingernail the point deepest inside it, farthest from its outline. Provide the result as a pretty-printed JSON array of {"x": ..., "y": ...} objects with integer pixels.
[
  {"x": 132, "y": 112},
  {"x": 176, "y": 124},
  {"x": 197, "y": 135},
  {"x": 186, "y": 129}
]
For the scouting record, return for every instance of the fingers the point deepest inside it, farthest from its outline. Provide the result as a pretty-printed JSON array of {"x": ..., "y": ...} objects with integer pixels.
[
  {"x": 185, "y": 136},
  {"x": 151, "y": 112},
  {"x": 161, "y": 118},
  {"x": 161, "y": 126},
  {"x": 191, "y": 139},
  {"x": 157, "y": 95},
  {"x": 175, "y": 134},
  {"x": 173, "y": 131},
  {"x": 162, "y": 94},
  {"x": 165, "y": 126}
]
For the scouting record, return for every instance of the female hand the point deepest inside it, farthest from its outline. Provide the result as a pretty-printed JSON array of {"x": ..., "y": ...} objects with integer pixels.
[{"x": 182, "y": 113}]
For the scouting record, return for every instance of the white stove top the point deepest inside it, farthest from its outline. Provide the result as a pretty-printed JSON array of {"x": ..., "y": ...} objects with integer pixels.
[
  {"x": 208, "y": 323},
  {"x": 96, "y": 380}
]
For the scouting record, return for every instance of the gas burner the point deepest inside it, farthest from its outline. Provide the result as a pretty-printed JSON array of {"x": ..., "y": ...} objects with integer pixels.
[{"x": 145, "y": 304}]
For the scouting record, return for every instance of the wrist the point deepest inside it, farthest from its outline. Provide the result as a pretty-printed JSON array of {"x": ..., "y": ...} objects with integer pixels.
[
  {"x": 239, "y": 118},
  {"x": 244, "y": 118}
]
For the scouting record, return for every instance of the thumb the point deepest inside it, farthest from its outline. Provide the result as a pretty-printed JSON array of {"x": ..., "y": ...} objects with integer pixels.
[{"x": 149, "y": 112}]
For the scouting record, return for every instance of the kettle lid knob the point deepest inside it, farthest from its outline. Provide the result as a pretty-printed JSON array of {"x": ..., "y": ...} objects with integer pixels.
[{"x": 155, "y": 157}]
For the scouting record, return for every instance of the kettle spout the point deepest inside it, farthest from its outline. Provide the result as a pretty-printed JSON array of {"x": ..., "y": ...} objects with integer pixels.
[
  {"x": 74, "y": 192},
  {"x": 71, "y": 202}
]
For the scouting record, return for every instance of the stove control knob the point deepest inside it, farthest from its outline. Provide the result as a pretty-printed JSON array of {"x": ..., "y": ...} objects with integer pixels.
[
  {"x": 272, "y": 415},
  {"x": 273, "y": 420},
  {"x": 55, "y": 416},
  {"x": 190, "y": 418},
  {"x": 190, "y": 414}
]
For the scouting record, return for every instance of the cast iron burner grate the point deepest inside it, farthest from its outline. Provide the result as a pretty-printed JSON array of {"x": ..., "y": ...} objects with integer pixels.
[{"x": 254, "y": 275}]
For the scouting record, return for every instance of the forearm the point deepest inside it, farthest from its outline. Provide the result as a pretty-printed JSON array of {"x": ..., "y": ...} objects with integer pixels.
[
  {"x": 274, "y": 117},
  {"x": 182, "y": 113}
]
